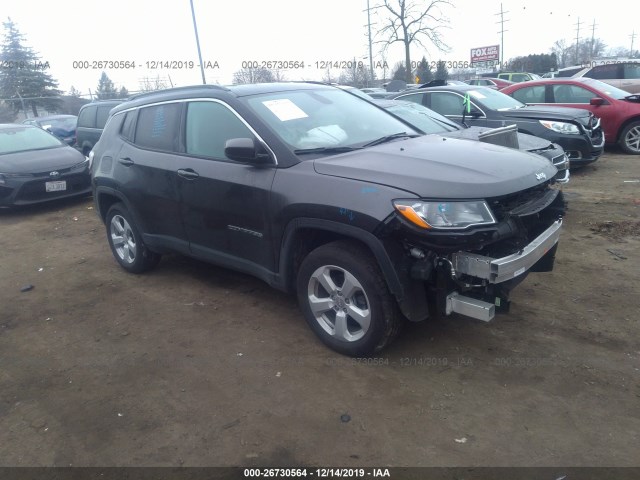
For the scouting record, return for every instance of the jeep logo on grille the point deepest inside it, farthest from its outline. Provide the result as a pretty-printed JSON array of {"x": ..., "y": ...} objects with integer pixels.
[
  {"x": 54, "y": 174},
  {"x": 541, "y": 176}
]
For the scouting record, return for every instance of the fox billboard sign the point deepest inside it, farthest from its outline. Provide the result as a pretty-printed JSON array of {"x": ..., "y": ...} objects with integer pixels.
[{"x": 485, "y": 54}]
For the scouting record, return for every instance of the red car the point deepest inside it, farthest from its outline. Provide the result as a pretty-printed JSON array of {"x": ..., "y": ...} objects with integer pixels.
[
  {"x": 495, "y": 83},
  {"x": 619, "y": 111}
]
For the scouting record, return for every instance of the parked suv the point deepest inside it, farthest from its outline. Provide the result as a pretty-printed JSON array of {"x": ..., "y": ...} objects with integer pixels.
[
  {"x": 319, "y": 192},
  {"x": 625, "y": 76},
  {"x": 91, "y": 120}
]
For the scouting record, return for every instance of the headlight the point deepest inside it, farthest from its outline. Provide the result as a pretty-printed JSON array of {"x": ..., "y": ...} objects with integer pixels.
[
  {"x": 2, "y": 179},
  {"x": 560, "y": 127},
  {"x": 445, "y": 215}
]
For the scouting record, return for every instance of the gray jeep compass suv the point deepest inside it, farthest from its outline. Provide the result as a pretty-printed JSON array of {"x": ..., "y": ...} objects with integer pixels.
[{"x": 319, "y": 192}]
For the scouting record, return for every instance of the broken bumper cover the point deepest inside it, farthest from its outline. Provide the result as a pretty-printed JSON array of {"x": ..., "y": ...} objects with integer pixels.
[{"x": 498, "y": 270}]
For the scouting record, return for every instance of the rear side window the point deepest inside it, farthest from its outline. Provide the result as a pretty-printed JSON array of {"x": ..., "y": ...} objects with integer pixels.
[
  {"x": 127, "y": 131},
  {"x": 632, "y": 71},
  {"x": 447, "y": 103},
  {"x": 414, "y": 97},
  {"x": 604, "y": 72},
  {"x": 530, "y": 94},
  {"x": 209, "y": 126},
  {"x": 102, "y": 115},
  {"x": 571, "y": 94},
  {"x": 158, "y": 127},
  {"x": 87, "y": 117}
]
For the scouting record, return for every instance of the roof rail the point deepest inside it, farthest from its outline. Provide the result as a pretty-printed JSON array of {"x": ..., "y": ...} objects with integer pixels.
[{"x": 177, "y": 89}]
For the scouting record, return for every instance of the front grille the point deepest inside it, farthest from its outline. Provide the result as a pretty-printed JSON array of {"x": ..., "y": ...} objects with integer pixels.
[
  {"x": 532, "y": 211},
  {"x": 36, "y": 190},
  {"x": 5, "y": 192},
  {"x": 559, "y": 160},
  {"x": 594, "y": 130}
]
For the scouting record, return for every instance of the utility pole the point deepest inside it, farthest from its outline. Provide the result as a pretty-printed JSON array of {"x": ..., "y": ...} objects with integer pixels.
[
  {"x": 633, "y": 36},
  {"x": 501, "y": 32},
  {"x": 195, "y": 29},
  {"x": 370, "y": 40},
  {"x": 593, "y": 30},
  {"x": 577, "y": 39}
]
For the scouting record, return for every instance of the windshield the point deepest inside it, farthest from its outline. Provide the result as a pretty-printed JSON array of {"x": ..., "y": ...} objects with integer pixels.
[
  {"x": 22, "y": 139},
  {"x": 494, "y": 99},
  {"x": 324, "y": 118},
  {"x": 423, "y": 118},
  {"x": 614, "y": 92}
]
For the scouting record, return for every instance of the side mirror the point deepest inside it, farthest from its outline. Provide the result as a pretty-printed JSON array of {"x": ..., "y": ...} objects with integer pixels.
[
  {"x": 246, "y": 150},
  {"x": 596, "y": 101},
  {"x": 475, "y": 113}
]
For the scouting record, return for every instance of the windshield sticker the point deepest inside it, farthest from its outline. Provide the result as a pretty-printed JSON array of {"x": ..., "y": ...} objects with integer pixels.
[
  {"x": 476, "y": 94},
  {"x": 285, "y": 109}
]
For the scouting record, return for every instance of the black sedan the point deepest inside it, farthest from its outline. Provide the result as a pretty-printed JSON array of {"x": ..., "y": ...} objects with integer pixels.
[
  {"x": 430, "y": 122},
  {"x": 62, "y": 126},
  {"x": 36, "y": 167},
  {"x": 576, "y": 130}
]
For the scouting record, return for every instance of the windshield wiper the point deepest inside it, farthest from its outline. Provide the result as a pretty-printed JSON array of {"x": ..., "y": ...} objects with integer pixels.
[
  {"x": 388, "y": 138},
  {"x": 303, "y": 151}
]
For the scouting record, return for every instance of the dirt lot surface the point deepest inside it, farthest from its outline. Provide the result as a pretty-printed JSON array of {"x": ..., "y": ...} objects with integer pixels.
[{"x": 199, "y": 366}]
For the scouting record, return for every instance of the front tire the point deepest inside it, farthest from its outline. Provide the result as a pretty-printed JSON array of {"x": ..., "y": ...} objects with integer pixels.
[
  {"x": 126, "y": 242},
  {"x": 345, "y": 299},
  {"x": 630, "y": 139}
]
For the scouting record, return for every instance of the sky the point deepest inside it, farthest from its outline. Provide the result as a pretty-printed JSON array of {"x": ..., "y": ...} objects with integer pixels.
[{"x": 71, "y": 34}]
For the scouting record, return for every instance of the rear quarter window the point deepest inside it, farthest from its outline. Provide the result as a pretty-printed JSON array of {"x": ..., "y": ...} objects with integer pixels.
[
  {"x": 102, "y": 115},
  {"x": 128, "y": 125},
  {"x": 87, "y": 117},
  {"x": 604, "y": 72},
  {"x": 158, "y": 127}
]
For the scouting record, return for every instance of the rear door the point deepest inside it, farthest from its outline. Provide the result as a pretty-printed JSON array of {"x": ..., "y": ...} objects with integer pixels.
[
  {"x": 577, "y": 96},
  {"x": 630, "y": 77},
  {"x": 146, "y": 172}
]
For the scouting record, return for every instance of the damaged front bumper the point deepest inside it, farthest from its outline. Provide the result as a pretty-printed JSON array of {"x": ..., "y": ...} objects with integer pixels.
[{"x": 498, "y": 270}]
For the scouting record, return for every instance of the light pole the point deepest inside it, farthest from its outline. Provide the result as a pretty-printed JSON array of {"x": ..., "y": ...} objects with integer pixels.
[{"x": 195, "y": 29}]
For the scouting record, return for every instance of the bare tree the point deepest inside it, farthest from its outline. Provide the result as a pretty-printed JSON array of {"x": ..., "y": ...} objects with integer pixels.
[
  {"x": 253, "y": 75},
  {"x": 622, "y": 52},
  {"x": 73, "y": 92},
  {"x": 152, "y": 84},
  {"x": 328, "y": 77},
  {"x": 357, "y": 75},
  {"x": 278, "y": 75},
  {"x": 562, "y": 51},
  {"x": 587, "y": 51},
  {"x": 409, "y": 22}
]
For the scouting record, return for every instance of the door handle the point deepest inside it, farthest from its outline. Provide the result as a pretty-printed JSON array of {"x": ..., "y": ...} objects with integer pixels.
[
  {"x": 126, "y": 161},
  {"x": 188, "y": 173}
]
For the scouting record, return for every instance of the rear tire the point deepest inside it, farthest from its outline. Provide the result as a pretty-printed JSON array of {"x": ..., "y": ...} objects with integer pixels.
[
  {"x": 345, "y": 299},
  {"x": 126, "y": 242},
  {"x": 630, "y": 139}
]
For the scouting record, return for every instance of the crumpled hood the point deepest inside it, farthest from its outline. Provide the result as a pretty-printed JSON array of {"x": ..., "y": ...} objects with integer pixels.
[
  {"x": 39, "y": 161},
  {"x": 525, "y": 141},
  {"x": 432, "y": 166},
  {"x": 547, "y": 113}
]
